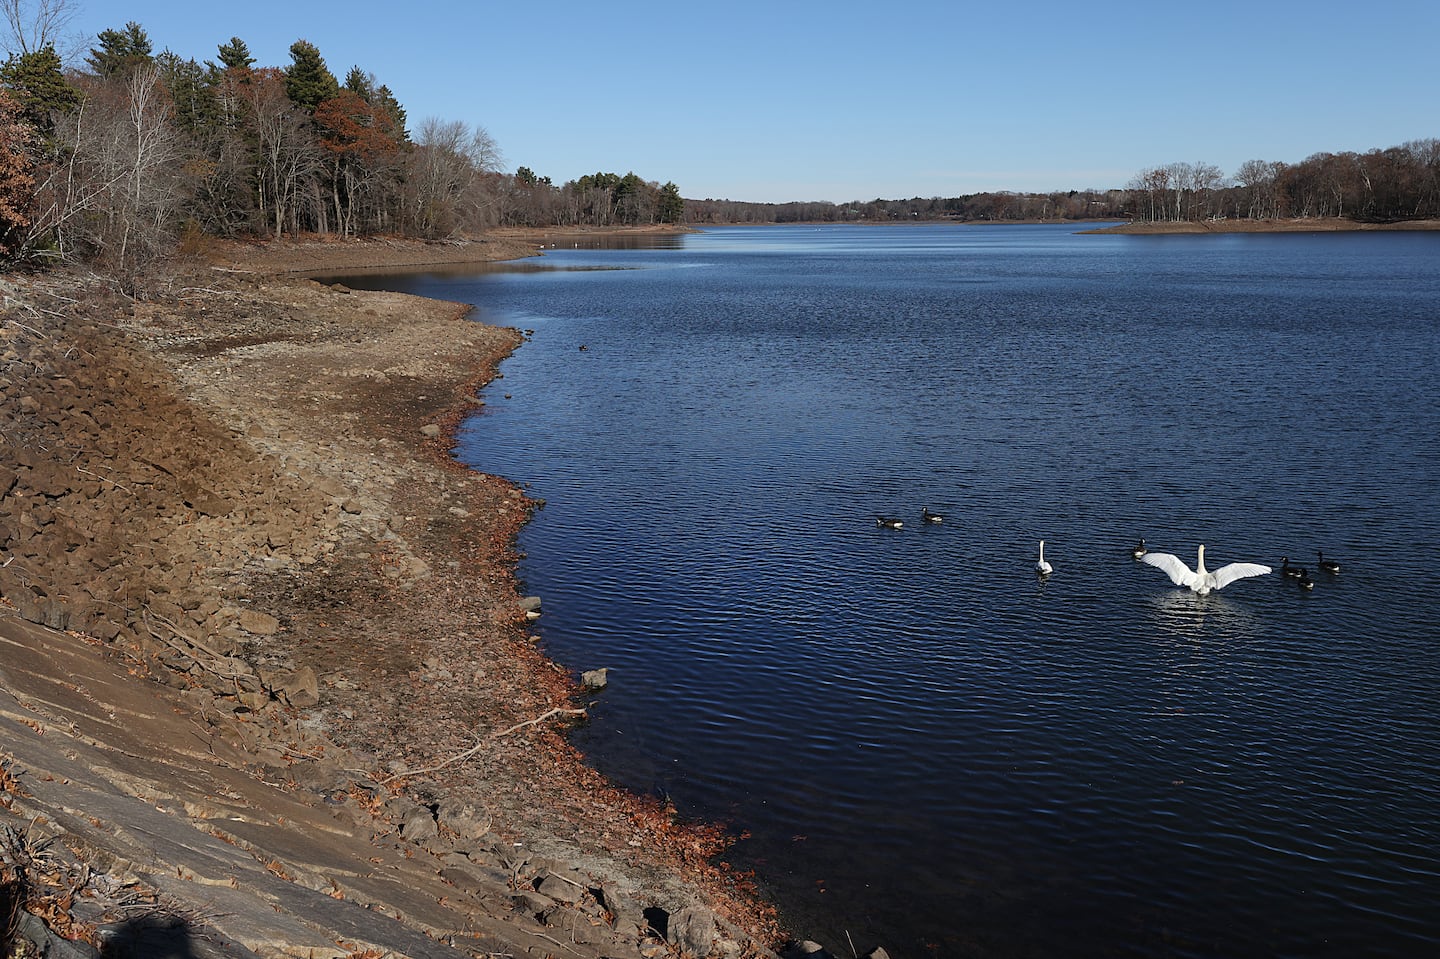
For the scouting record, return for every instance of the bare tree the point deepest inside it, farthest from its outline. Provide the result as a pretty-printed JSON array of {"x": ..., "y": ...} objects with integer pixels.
[
  {"x": 446, "y": 175},
  {"x": 33, "y": 25},
  {"x": 117, "y": 194},
  {"x": 288, "y": 157}
]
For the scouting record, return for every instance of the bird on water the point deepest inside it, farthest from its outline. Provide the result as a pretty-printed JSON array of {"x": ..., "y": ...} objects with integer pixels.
[
  {"x": 1326, "y": 565},
  {"x": 1043, "y": 568},
  {"x": 890, "y": 522},
  {"x": 1200, "y": 580},
  {"x": 1139, "y": 550},
  {"x": 930, "y": 517}
]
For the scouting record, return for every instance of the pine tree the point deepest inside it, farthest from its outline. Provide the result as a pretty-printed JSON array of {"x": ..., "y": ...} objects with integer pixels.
[
  {"x": 308, "y": 82},
  {"x": 120, "y": 51},
  {"x": 235, "y": 55},
  {"x": 361, "y": 84},
  {"x": 36, "y": 81},
  {"x": 188, "y": 84}
]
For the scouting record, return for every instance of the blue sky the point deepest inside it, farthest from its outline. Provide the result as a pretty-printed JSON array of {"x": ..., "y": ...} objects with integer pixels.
[{"x": 847, "y": 101}]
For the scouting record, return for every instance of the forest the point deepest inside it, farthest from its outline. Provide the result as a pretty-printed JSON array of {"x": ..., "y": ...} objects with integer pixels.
[
  {"x": 125, "y": 154},
  {"x": 117, "y": 160},
  {"x": 1383, "y": 186}
]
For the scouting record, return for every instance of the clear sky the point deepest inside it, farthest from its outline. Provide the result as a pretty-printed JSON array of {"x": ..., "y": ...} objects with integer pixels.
[{"x": 839, "y": 100}]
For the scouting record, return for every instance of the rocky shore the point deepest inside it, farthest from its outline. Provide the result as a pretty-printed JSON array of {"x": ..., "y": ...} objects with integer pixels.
[{"x": 266, "y": 682}]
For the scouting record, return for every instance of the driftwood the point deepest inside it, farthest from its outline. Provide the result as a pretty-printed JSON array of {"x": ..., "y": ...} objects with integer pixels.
[{"x": 461, "y": 757}]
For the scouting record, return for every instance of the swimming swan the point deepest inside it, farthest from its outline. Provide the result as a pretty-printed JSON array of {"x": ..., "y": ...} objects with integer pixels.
[
  {"x": 1201, "y": 580},
  {"x": 1043, "y": 568}
]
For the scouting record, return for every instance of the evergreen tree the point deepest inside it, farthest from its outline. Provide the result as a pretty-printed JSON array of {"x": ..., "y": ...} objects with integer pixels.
[
  {"x": 308, "y": 82},
  {"x": 235, "y": 55},
  {"x": 120, "y": 51},
  {"x": 36, "y": 81},
  {"x": 189, "y": 86},
  {"x": 670, "y": 205},
  {"x": 361, "y": 84},
  {"x": 386, "y": 103}
]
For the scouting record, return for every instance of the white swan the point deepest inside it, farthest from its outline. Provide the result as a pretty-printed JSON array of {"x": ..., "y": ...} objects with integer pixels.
[
  {"x": 1201, "y": 580},
  {"x": 1042, "y": 567}
]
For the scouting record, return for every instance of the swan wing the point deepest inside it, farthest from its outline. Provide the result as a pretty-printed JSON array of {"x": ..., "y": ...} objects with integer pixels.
[
  {"x": 1233, "y": 571},
  {"x": 1174, "y": 567}
]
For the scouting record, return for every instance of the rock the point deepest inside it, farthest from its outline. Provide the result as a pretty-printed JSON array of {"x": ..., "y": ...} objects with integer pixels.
[
  {"x": 561, "y": 889},
  {"x": 533, "y": 904},
  {"x": 419, "y": 825},
  {"x": 463, "y": 819},
  {"x": 299, "y": 688},
  {"x": 622, "y": 907},
  {"x": 257, "y": 623},
  {"x": 530, "y": 606},
  {"x": 430, "y": 429},
  {"x": 595, "y": 678},
  {"x": 692, "y": 931}
]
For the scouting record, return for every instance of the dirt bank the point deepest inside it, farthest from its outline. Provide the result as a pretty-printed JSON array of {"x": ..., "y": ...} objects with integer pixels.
[{"x": 240, "y": 491}]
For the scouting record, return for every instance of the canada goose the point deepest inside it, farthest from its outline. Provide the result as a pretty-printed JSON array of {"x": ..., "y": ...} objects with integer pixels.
[
  {"x": 1326, "y": 565},
  {"x": 1139, "y": 550},
  {"x": 930, "y": 517},
  {"x": 889, "y": 522},
  {"x": 1201, "y": 580},
  {"x": 1291, "y": 572}
]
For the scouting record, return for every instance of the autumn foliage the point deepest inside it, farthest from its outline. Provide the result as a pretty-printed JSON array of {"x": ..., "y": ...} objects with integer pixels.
[{"x": 17, "y": 180}]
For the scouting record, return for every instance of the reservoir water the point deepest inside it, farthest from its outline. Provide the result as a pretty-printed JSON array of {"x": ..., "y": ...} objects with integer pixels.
[{"x": 925, "y": 745}]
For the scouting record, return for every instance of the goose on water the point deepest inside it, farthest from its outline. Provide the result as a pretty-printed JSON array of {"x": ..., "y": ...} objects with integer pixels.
[
  {"x": 1304, "y": 581},
  {"x": 1291, "y": 572},
  {"x": 1139, "y": 550},
  {"x": 930, "y": 517},
  {"x": 1327, "y": 565},
  {"x": 1200, "y": 580},
  {"x": 1043, "y": 568},
  {"x": 889, "y": 522}
]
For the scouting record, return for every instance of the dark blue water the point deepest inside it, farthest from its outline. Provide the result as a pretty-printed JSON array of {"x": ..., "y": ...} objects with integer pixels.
[{"x": 930, "y": 748}]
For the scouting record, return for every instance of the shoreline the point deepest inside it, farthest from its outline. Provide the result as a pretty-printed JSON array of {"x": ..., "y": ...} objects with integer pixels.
[
  {"x": 1294, "y": 225},
  {"x": 323, "y": 579}
]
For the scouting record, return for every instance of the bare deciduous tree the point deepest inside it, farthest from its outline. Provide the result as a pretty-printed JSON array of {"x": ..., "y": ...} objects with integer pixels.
[
  {"x": 33, "y": 25},
  {"x": 447, "y": 169}
]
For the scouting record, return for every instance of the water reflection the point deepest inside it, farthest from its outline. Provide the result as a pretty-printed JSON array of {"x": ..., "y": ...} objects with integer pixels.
[{"x": 1189, "y": 615}]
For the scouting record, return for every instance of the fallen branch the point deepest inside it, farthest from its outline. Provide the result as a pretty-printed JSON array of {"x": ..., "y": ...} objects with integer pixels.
[
  {"x": 103, "y": 479},
  {"x": 557, "y": 711},
  {"x": 461, "y": 757}
]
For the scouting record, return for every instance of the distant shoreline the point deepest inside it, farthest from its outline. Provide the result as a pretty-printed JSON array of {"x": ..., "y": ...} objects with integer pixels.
[
  {"x": 1296, "y": 225},
  {"x": 1136, "y": 227}
]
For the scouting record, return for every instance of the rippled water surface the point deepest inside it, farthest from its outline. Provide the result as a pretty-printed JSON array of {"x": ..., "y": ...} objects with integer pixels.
[{"x": 930, "y": 748}]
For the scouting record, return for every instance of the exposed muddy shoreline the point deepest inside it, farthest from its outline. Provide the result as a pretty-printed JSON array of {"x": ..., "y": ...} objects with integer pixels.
[{"x": 314, "y": 577}]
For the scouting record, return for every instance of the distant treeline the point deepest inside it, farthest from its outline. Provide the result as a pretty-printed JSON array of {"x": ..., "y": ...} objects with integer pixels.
[
  {"x": 120, "y": 158},
  {"x": 1399, "y": 183},
  {"x": 117, "y": 160}
]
